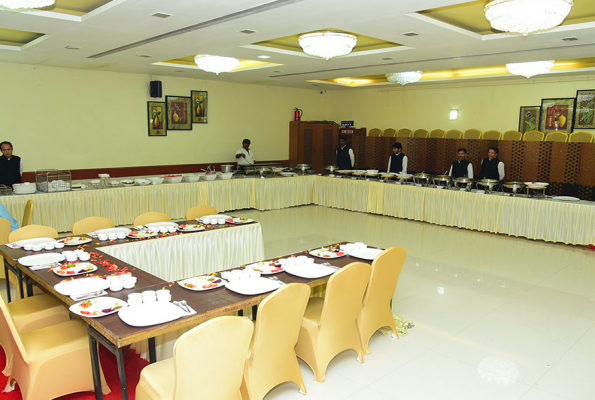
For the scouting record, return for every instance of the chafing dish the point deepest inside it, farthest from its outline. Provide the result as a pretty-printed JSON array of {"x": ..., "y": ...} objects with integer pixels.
[
  {"x": 514, "y": 186},
  {"x": 404, "y": 177},
  {"x": 442, "y": 180},
  {"x": 536, "y": 189},
  {"x": 331, "y": 168},
  {"x": 227, "y": 168},
  {"x": 422, "y": 178},
  {"x": 302, "y": 168},
  {"x": 463, "y": 183},
  {"x": 489, "y": 184},
  {"x": 358, "y": 172},
  {"x": 264, "y": 170},
  {"x": 344, "y": 171}
]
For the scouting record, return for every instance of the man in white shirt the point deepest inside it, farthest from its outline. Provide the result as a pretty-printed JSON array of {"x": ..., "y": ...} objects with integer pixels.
[
  {"x": 492, "y": 167},
  {"x": 245, "y": 156},
  {"x": 461, "y": 168},
  {"x": 345, "y": 157},
  {"x": 397, "y": 162}
]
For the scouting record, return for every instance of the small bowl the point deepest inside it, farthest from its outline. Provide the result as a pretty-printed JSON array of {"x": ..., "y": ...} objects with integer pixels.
[
  {"x": 164, "y": 298},
  {"x": 102, "y": 236},
  {"x": 127, "y": 183},
  {"x": 49, "y": 246},
  {"x": 149, "y": 299},
  {"x": 112, "y": 279},
  {"x": 135, "y": 296},
  {"x": 125, "y": 275},
  {"x": 114, "y": 183},
  {"x": 226, "y": 176},
  {"x": 191, "y": 178},
  {"x": 206, "y": 221},
  {"x": 135, "y": 301},
  {"x": 28, "y": 247},
  {"x": 116, "y": 286},
  {"x": 162, "y": 292},
  {"x": 221, "y": 221},
  {"x": 210, "y": 177},
  {"x": 163, "y": 229},
  {"x": 59, "y": 245},
  {"x": 129, "y": 284},
  {"x": 173, "y": 178},
  {"x": 112, "y": 236},
  {"x": 36, "y": 247},
  {"x": 171, "y": 229},
  {"x": 84, "y": 257},
  {"x": 121, "y": 235},
  {"x": 142, "y": 182},
  {"x": 156, "y": 180}
]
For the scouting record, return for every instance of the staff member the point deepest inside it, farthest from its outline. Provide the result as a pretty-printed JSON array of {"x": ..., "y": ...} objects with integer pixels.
[
  {"x": 492, "y": 167},
  {"x": 462, "y": 167},
  {"x": 397, "y": 162},
  {"x": 345, "y": 157},
  {"x": 11, "y": 167},
  {"x": 245, "y": 156}
]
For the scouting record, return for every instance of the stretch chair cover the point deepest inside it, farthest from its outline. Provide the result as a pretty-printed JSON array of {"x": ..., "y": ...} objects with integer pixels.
[
  {"x": 556, "y": 137},
  {"x": 49, "y": 362},
  {"x": 533, "y": 136},
  {"x": 437, "y": 134},
  {"x": 472, "y": 134},
  {"x": 375, "y": 132},
  {"x": 32, "y": 232},
  {"x": 272, "y": 360},
  {"x": 4, "y": 232},
  {"x": 512, "y": 135},
  {"x": 454, "y": 134},
  {"x": 28, "y": 214},
  {"x": 376, "y": 311},
  {"x": 581, "y": 137},
  {"x": 491, "y": 135},
  {"x": 390, "y": 132},
  {"x": 200, "y": 211},
  {"x": 91, "y": 224},
  {"x": 420, "y": 133},
  {"x": 329, "y": 326},
  {"x": 208, "y": 363},
  {"x": 150, "y": 217},
  {"x": 404, "y": 133}
]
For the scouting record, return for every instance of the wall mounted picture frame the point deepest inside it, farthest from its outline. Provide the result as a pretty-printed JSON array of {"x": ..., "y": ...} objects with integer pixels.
[
  {"x": 584, "y": 117},
  {"x": 156, "y": 118},
  {"x": 557, "y": 115},
  {"x": 178, "y": 113},
  {"x": 200, "y": 106},
  {"x": 529, "y": 118}
]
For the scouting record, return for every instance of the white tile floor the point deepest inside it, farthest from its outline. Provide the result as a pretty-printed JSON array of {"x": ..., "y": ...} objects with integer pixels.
[{"x": 496, "y": 317}]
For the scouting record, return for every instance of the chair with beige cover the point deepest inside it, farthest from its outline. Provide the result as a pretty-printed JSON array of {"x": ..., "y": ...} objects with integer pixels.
[
  {"x": 329, "y": 326},
  {"x": 91, "y": 224},
  {"x": 512, "y": 135},
  {"x": 533, "y": 136},
  {"x": 208, "y": 363},
  {"x": 389, "y": 132},
  {"x": 200, "y": 211},
  {"x": 581, "y": 137},
  {"x": 272, "y": 360},
  {"x": 420, "y": 133},
  {"x": 556, "y": 137},
  {"x": 151, "y": 217},
  {"x": 472, "y": 134},
  {"x": 453, "y": 134},
  {"x": 375, "y": 132},
  {"x": 376, "y": 310},
  {"x": 49, "y": 362},
  {"x": 32, "y": 232},
  {"x": 491, "y": 135},
  {"x": 28, "y": 214},
  {"x": 437, "y": 134},
  {"x": 404, "y": 133},
  {"x": 4, "y": 232}
]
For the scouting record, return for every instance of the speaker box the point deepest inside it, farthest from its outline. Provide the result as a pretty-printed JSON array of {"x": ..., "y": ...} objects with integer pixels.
[{"x": 155, "y": 88}]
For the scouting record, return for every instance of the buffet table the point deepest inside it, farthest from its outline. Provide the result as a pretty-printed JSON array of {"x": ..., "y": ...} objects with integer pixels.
[{"x": 541, "y": 219}]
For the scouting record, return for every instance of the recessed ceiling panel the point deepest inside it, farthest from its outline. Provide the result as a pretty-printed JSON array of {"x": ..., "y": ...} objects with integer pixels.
[
  {"x": 11, "y": 37},
  {"x": 243, "y": 66},
  {"x": 75, "y": 7}
]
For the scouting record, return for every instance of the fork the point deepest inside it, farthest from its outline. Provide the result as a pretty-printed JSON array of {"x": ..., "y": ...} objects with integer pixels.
[
  {"x": 274, "y": 278},
  {"x": 326, "y": 264}
]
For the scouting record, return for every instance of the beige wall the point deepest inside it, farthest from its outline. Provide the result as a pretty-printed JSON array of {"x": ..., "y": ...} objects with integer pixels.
[
  {"x": 72, "y": 119},
  {"x": 483, "y": 106}
]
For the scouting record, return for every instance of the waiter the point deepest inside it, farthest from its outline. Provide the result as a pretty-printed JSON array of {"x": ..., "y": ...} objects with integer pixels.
[
  {"x": 461, "y": 168},
  {"x": 345, "y": 157},
  {"x": 492, "y": 167},
  {"x": 245, "y": 156},
  {"x": 11, "y": 167},
  {"x": 397, "y": 162}
]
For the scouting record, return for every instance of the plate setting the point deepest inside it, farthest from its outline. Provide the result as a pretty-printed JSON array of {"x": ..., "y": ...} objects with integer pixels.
[
  {"x": 239, "y": 221},
  {"x": 202, "y": 283},
  {"x": 97, "y": 307},
  {"x": 142, "y": 234},
  {"x": 266, "y": 267},
  {"x": 76, "y": 240},
  {"x": 73, "y": 269},
  {"x": 327, "y": 252},
  {"x": 190, "y": 228}
]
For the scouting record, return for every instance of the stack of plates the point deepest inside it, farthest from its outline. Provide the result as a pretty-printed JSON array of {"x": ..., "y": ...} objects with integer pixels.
[{"x": 24, "y": 188}]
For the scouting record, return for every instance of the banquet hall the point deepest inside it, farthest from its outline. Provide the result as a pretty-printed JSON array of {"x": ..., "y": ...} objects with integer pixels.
[{"x": 297, "y": 199}]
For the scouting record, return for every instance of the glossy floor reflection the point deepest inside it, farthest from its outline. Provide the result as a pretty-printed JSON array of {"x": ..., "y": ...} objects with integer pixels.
[{"x": 496, "y": 317}]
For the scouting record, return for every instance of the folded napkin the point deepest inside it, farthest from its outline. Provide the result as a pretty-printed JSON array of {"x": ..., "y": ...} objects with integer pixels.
[
  {"x": 13, "y": 245},
  {"x": 43, "y": 266},
  {"x": 138, "y": 228},
  {"x": 86, "y": 296}
]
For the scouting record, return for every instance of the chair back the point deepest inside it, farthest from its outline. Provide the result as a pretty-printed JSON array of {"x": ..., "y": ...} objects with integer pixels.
[
  {"x": 512, "y": 135},
  {"x": 437, "y": 134},
  {"x": 209, "y": 359},
  {"x": 533, "y": 136},
  {"x": 491, "y": 135},
  {"x": 28, "y": 214},
  {"x": 389, "y": 132},
  {"x": 32, "y": 232},
  {"x": 344, "y": 294},
  {"x": 200, "y": 211},
  {"x": 581, "y": 137},
  {"x": 556, "y": 137},
  {"x": 420, "y": 133},
  {"x": 4, "y": 230},
  {"x": 472, "y": 134},
  {"x": 9, "y": 334},
  {"x": 150, "y": 217},
  {"x": 375, "y": 132},
  {"x": 386, "y": 269},
  {"x": 91, "y": 224},
  {"x": 404, "y": 133},
  {"x": 454, "y": 134}
]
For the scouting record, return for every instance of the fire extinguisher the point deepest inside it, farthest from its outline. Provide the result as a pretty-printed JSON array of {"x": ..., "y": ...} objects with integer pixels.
[{"x": 297, "y": 114}]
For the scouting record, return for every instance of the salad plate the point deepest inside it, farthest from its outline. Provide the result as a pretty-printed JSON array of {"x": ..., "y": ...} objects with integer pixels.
[
  {"x": 566, "y": 198},
  {"x": 161, "y": 224},
  {"x": 253, "y": 286},
  {"x": 97, "y": 307},
  {"x": 365, "y": 254},
  {"x": 190, "y": 228},
  {"x": 309, "y": 271},
  {"x": 325, "y": 252},
  {"x": 141, "y": 234},
  {"x": 73, "y": 269},
  {"x": 77, "y": 287},
  {"x": 76, "y": 240},
  {"x": 239, "y": 221},
  {"x": 41, "y": 259},
  {"x": 266, "y": 267},
  {"x": 149, "y": 314},
  {"x": 202, "y": 283}
]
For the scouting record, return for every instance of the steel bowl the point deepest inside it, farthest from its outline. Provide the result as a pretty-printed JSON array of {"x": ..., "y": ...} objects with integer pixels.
[
  {"x": 489, "y": 184},
  {"x": 463, "y": 183},
  {"x": 442, "y": 180},
  {"x": 302, "y": 168},
  {"x": 331, "y": 168},
  {"x": 422, "y": 178},
  {"x": 227, "y": 168},
  {"x": 514, "y": 186}
]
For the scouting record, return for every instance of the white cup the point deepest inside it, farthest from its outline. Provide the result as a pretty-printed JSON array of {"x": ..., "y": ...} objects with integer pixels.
[
  {"x": 112, "y": 236},
  {"x": 135, "y": 301},
  {"x": 128, "y": 284},
  {"x": 310, "y": 261},
  {"x": 102, "y": 236},
  {"x": 206, "y": 221},
  {"x": 163, "y": 292},
  {"x": 342, "y": 247},
  {"x": 149, "y": 299},
  {"x": 255, "y": 274},
  {"x": 116, "y": 286},
  {"x": 164, "y": 298},
  {"x": 221, "y": 221},
  {"x": 48, "y": 246},
  {"x": 360, "y": 246},
  {"x": 28, "y": 247},
  {"x": 171, "y": 229},
  {"x": 125, "y": 275},
  {"x": 282, "y": 261},
  {"x": 121, "y": 235},
  {"x": 36, "y": 247},
  {"x": 84, "y": 257},
  {"x": 302, "y": 258},
  {"x": 71, "y": 257},
  {"x": 135, "y": 296},
  {"x": 59, "y": 245},
  {"x": 163, "y": 229},
  {"x": 67, "y": 252},
  {"x": 112, "y": 279}
]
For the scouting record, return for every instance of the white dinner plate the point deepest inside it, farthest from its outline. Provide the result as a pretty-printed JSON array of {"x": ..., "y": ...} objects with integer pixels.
[
  {"x": 253, "y": 286},
  {"x": 160, "y": 224},
  {"x": 35, "y": 241},
  {"x": 97, "y": 307},
  {"x": 77, "y": 287},
  {"x": 41, "y": 259},
  {"x": 365, "y": 254},
  {"x": 266, "y": 267},
  {"x": 326, "y": 253},
  {"x": 73, "y": 269},
  {"x": 202, "y": 283},
  {"x": 215, "y": 217},
  {"x": 107, "y": 231},
  {"x": 76, "y": 240},
  {"x": 149, "y": 314},
  {"x": 190, "y": 228},
  {"x": 537, "y": 184},
  {"x": 566, "y": 198},
  {"x": 239, "y": 221},
  {"x": 310, "y": 271},
  {"x": 142, "y": 234},
  {"x": 288, "y": 174}
]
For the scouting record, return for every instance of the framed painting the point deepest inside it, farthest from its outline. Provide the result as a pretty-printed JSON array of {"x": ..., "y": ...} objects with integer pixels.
[
  {"x": 200, "y": 106},
  {"x": 529, "y": 118},
  {"x": 556, "y": 115},
  {"x": 584, "y": 117},
  {"x": 178, "y": 113},
  {"x": 156, "y": 114}
]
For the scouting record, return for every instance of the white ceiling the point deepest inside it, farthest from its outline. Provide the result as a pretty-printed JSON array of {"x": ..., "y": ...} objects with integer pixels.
[{"x": 122, "y": 22}]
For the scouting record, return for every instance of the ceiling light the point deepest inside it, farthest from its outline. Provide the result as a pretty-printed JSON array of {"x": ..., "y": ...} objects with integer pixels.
[
  {"x": 387, "y": 58},
  {"x": 404, "y": 78},
  {"x": 410, "y": 34},
  {"x": 526, "y": 16},
  {"x": 145, "y": 55},
  {"x": 21, "y": 4},
  {"x": 570, "y": 39},
  {"x": 248, "y": 31},
  {"x": 72, "y": 48},
  {"x": 161, "y": 15},
  {"x": 529, "y": 69},
  {"x": 454, "y": 115},
  {"x": 216, "y": 64},
  {"x": 327, "y": 44},
  {"x": 264, "y": 56}
]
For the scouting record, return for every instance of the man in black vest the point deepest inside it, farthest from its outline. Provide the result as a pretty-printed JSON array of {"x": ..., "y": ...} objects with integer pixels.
[
  {"x": 492, "y": 167},
  {"x": 345, "y": 157},
  {"x": 462, "y": 168},
  {"x": 397, "y": 162},
  {"x": 11, "y": 167}
]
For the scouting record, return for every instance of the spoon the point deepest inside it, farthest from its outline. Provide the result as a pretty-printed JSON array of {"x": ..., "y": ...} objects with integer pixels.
[{"x": 185, "y": 305}]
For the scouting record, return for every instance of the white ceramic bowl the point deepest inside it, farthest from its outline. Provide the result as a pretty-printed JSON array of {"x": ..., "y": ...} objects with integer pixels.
[
  {"x": 156, "y": 180},
  {"x": 372, "y": 171},
  {"x": 127, "y": 183},
  {"x": 210, "y": 177},
  {"x": 173, "y": 178},
  {"x": 226, "y": 176},
  {"x": 191, "y": 178},
  {"x": 142, "y": 182}
]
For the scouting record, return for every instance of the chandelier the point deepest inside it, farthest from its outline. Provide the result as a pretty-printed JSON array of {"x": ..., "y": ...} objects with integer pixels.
[
  {"x": 404, "y": 78},
  {"x": 216, "y": 64},
  {"x": 327, "y": 44},
  {"x": 526, "y": 16},
  {"x": 529, "y": 69},
  {"x": 23, "y": 4}
]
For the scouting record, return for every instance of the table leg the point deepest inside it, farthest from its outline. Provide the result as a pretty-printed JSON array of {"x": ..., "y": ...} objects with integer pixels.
[
  {"x": 240, "y": 313},
  {"x": 21, "y": 288},
  {"x": 254, "y": 312},
  {"x": 152, "y": 352},
  {"x": 8, "y": 296},
  {"x": 95, "y": 366},
  {"x": 117, "y": 351},
  {"x": 28, "y": 287}
]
